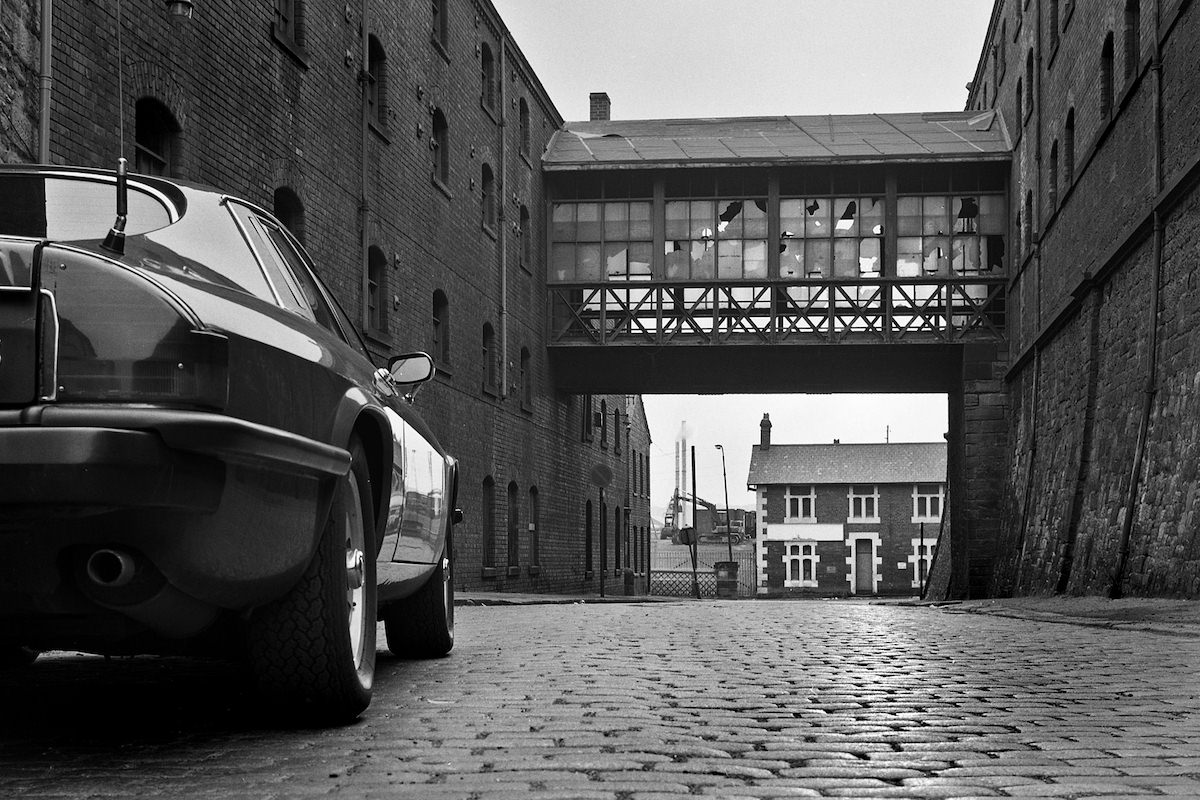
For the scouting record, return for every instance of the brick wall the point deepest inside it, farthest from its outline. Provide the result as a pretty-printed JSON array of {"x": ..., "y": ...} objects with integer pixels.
[
  {"x": 1083, "y": 319},
  {"x": 19, "y": 60},
  {"x": 256, "y": 116}
]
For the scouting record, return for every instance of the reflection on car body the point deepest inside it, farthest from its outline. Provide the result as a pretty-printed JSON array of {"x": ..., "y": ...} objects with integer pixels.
[{"x": 197, "y": 454}]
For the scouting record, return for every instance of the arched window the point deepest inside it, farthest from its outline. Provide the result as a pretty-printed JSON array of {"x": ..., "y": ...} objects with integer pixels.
[
  {"x": 377, "y": 291},
  {"x": 526, "y": 235},
  {"x": 604, "y": 423},
  {"x": 440, "y": 145},
  {"x": 490, "y": 358},
  {"x": 1133, "y": 37},
  {"x": 488, "y": 181},
  {"x": 588, "y": 562},
  {"x": 514, "y": 526},
  {"x": 534, "y": 525},
  {"x": 1106, "y": 77},
  {"x": 1069, "y": 148},
  {"x": 526, "y": 384},
  {"x": 290, "y": 211},
  {"x": 375, "y": 82},
  {"x": 440, "y": 343},
  {"x": 523, "y": 122},
  {"x": 156, "y": 139},
  {"x": 487, "y": 537},
  {"x": 1053, "y": 177},
  {"x": 487, "y": 77}
]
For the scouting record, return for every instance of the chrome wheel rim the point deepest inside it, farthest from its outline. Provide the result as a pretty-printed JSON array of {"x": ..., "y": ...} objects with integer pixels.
[{"x": 356, "y": 590}]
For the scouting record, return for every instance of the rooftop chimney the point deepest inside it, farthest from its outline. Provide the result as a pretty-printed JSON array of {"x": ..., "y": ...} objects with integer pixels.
[
  {"x": 601, "y": 106},
  {"x": 764, "y": 432}
]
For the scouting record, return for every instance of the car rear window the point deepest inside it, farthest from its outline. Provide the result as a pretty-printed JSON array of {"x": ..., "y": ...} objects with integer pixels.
[{"x": 74, "y": 208}]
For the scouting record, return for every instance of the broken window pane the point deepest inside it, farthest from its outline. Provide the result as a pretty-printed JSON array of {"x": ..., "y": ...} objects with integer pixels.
[
  {"x": 936, "y": 255},
  {"x": 729, "y": 221},
  {"x": 816, "y": 258},
  {"x": 791, "y": 259},
  {"x": 791, "y": 218},
  {"x": 615, "y": 261},
  {"x": 754, "y": 219},
  {"x": 816, "y": 218},
  {"x": 966, "y": 257},
  {"x": 845, "y": 217},
  {"x": 908, "y": 256},
  {"x": 703, "y": 260},
  {"x": 677, "y": 263},
  {"x": 587, "y": 262},
  {"x": 966, "y": 214},
  {"x": 933, "y": 213},
  {"x": 870, "y": 216},
  {"x": 677, "y": 219},
  {"x": 700, "y": 225},
  {"x": 562, "y": 261},
  {"x": 869, "y": 261},
  {"x": 639, "y": 261},
  {"x": 755, "y": 259}
]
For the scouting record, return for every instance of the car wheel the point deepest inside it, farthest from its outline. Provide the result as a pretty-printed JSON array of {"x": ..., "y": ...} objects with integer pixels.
[
  {"x": 313, "y": 650},
  {"x": 422, "y": 626},
  {"x": 16, "y": 656}
]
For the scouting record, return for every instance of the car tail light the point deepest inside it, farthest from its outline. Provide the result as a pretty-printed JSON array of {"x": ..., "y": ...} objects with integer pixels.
[{"x": 121, "y": 337}]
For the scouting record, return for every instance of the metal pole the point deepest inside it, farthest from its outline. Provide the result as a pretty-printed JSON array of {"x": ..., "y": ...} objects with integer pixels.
[
  {"x": 47, "y": 82},
  {"x": 695, "y": 537},
  {"x": 728, "y": 520},
  {"x": 921, "y": 561}
]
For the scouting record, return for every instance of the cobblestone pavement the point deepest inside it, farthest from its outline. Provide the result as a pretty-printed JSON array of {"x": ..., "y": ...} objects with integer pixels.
[{"x": 647, "y": 701}]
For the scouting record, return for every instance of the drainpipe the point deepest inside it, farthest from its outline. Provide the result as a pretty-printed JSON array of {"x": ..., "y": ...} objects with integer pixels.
[
  {"x": 364, "y": 55},
  {"x": 1116, "y": 589},
  {"x": 47, "y": 82},
  {"x": 501, "y": 200}
]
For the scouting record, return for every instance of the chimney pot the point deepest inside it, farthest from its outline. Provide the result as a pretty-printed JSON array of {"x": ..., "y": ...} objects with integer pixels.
[{"x": 764, "y": 429}]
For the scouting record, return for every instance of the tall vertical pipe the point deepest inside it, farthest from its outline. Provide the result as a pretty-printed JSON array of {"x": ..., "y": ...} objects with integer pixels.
[{"x": 47, "y": 81}]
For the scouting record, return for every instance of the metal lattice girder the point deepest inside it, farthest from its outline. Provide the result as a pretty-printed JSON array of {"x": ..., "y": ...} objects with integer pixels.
[
  {"x": 864, "y": 311},
  {"x": 918, "y": 308}
]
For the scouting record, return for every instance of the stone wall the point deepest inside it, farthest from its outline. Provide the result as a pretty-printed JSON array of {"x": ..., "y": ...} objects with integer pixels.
[{"x": 19, "y": 68}]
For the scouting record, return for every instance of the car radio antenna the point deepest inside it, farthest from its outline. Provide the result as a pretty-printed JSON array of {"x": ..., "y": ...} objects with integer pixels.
[{"x": 115, "y": 240}]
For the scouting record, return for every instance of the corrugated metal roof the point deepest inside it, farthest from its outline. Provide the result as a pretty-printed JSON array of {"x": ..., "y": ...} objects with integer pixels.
[
  {"x": 849, "y": 137},
  {"x": 897, "y": 462}
]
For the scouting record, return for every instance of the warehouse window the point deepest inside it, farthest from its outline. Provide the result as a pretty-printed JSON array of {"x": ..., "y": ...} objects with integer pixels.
[
  {"x": 487, "y": 77},
  {"x": 440, "y": 145},
  {"x": 1133, "y": 37},
  {"x": 440, "y": 341},
  {"x": 377, "y": 291},
  {"x": 1106, "y": 77},
  {"x": 1069, "y": 148},
  {"x": 488, "y": 198},
  {"x": 156, "y": 139},
  {"x": 290, "y": 211},
  {"x": 523, "y": 119},
  {"x": 514, "y": 528},
  {"x": 490, "y": 359},
  {"x": 439, "y": 30},
  {"x": 488, "y": 522},
  {"x": 375, "y": 82},
  {"x": 288, "y": 27}
]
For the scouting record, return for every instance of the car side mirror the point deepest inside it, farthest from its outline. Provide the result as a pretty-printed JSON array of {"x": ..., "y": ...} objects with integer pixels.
[{"x": 411, "y": 368}]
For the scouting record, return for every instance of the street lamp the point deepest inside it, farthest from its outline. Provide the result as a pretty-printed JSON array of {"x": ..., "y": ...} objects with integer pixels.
[{"x": 728, "y": 521}]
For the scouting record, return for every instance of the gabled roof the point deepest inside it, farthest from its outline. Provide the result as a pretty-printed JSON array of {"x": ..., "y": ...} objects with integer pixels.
[
  {"x": 956, "y": 135},
  {"x": 899, "y": 462}
]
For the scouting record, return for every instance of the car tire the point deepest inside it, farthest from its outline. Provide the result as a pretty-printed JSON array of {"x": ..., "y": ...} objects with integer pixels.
[
  {"x": 422, "y": 626},
  {"x": 313, "y": 650},
  {"x": 15, "y": 656}
]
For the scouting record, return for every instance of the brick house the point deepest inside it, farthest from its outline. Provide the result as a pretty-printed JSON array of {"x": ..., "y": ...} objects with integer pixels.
[{"x": 846, "y": 519}]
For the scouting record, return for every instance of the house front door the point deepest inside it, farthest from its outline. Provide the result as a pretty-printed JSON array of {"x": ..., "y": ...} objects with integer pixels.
[{"x": 864, "y": 567}]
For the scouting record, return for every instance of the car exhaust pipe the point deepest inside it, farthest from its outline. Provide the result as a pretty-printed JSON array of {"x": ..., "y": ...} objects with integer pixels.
[
  {"x": 110, "y": 568},
  {"x": 128, "y": 583}
]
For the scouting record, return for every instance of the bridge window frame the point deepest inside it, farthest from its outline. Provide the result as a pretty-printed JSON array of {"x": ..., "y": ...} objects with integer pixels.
[
  {"x": 943, "y": 234},
  {"x": 602, "y": 240}
]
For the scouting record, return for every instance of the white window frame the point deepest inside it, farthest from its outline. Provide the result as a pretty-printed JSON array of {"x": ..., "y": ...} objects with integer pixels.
[
  {"x": 798, "y": 552},
  {"x": 917, "y": 495},
  {"x": 796, "y": 493},
  {"x": 916, "y": 557},
  {"x": 872, "y": 498}
]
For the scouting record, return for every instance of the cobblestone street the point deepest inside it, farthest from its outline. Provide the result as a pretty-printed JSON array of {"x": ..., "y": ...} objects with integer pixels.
[{"x": 643, "y": 701}]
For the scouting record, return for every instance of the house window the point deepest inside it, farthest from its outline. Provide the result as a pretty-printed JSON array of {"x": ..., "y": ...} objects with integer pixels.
[
  {"x": 523, "y": 127},
  {"x": 488, "y": 181},
  {"x": 601, "y": 241},
  {"x": 801, "y": 561},
  {"x": 940, "y": 235},
  {"x": 864, "y": 503},
  {"x": 514, "y": 527},
  {"x": 927, "y": 502},
  {"x": 440, "y": 145},
  {"x": 1106, "y": 77},
  {"x": 1133, "y": 37},
  {"x": 156, "y": 139},
  {"x": 440, "y": 343},
  {"x": 377, "y": 291},
  {"x": 800, "y": 504},
  {"x": 490, "y": 358},
  {"x": 375, "y": 82},
  {"x": 487, "y": 77},
  {"x": 488, "y": 522},
  {"x": 290, "y": 211}
]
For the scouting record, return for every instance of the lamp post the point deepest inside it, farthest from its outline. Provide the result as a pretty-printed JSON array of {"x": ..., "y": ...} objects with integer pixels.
[{"x": 728, "y": 521}]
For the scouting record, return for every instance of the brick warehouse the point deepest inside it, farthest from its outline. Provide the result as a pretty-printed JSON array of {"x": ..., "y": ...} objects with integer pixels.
[
  {"x": 400, "y": 141},
  {"x": 1102, "y": 101}
]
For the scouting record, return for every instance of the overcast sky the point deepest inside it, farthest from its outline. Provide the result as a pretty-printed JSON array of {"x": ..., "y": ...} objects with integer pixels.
[{"x": 666, "y": 59}]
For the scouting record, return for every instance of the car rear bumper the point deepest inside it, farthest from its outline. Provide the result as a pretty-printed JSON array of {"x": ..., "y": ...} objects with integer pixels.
[{"x": 227, "y": 511}]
